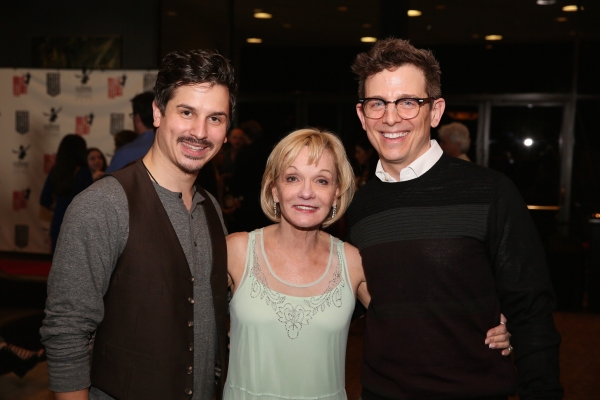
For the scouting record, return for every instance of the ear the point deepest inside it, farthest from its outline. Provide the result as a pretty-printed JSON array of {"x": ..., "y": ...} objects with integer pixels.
[
  {"x": 439, "y": 106},
  {"x": 274, "y": 193},
  {"x": 361, "y": 116},
  {"x": 157, "y": 114},
  {"x": 337, "y": 196}
]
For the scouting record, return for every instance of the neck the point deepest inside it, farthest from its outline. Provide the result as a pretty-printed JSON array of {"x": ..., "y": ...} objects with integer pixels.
[
  {"x": 170, "y": 176},
  {"x": 297, "y": 239}
]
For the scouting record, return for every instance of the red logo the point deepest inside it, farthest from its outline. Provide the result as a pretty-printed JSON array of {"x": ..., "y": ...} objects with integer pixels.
[
  {"x": 83, "y": 124},
  {"x": 20, "y": 198},
  {"x": 20, "y": 85},
  {"x": 115, "y": 87},
  {"x": 49, "y": 160}
]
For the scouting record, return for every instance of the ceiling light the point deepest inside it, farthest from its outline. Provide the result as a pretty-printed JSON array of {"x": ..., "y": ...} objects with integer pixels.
[
  {"x": 342, "y": 8},
  {"x": 561, "y": 19},
  {"x": 528, "y": 142},
  {"x": 262, "y": 15},
  {"x": 414, "y": 13},
  {"x": 366, "y": 26},
  {"x": 545, "y": 2},
  {"x": 172, "y": 13},
  {"x": 570, "y": 8},
  {"x": 287, "y": 25},
  {"x": 368, "y": 39},
  {"x": 254, "y": 40},
  {"x": 493, "y": 37}
]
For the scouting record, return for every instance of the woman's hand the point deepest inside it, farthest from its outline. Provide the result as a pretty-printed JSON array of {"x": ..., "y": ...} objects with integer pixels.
[{"x": 499, "y": 337}]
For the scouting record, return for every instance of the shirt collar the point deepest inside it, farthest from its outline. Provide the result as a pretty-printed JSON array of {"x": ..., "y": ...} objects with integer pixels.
[{"x": 416, "y": 168}]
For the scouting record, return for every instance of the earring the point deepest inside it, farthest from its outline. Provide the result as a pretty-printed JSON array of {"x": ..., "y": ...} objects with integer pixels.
[
  {"x": 275, "y": 209},
  {"x": 334, "y": 211}
]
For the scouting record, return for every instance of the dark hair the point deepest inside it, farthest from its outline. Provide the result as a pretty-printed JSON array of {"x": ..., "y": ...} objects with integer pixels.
[
  {"x": 71, "y": 154},
  {"x": 141, "y": 104},
  {"x": 101, "y": 156},
  {"x": 124, "y": 137},
  {"x": 393, "y": 53},
  {"x": 181, "y": 68}
]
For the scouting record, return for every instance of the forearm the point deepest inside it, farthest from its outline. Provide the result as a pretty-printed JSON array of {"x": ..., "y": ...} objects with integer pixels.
[{"x": 78, "y": 395}]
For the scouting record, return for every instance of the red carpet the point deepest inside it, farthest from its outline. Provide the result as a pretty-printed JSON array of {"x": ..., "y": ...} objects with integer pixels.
[{"x": 25, "y": 267}]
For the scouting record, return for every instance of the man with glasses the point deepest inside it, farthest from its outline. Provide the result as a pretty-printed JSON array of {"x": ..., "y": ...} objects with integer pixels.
[
  {"x": 446, "y": 246},
  {"x": 142, "y": 125}
]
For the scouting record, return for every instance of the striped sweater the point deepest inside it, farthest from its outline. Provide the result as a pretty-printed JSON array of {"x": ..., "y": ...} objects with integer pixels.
[{"x": 443, "y": 255}]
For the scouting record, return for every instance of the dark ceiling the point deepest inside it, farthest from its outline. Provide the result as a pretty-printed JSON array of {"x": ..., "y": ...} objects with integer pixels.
[{"x": 344, "y": 22}]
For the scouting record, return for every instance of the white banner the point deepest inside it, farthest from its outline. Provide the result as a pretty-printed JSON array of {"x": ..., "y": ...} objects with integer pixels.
[{"x": 37, "y": 108}]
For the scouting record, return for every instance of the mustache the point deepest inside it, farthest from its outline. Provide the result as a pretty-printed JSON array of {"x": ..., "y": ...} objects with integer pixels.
[{"x": 196, "y": 142}]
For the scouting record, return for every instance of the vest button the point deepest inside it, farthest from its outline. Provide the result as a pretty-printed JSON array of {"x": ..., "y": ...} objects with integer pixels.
[
  {"x": 192, "y": 279},
  {"x": 189, "y": 370},
  {"x": 191, "y": 300},
  {"x": 180, "y": 196},
  {"x": 190, "y": 323},
  {"x": 191, "y": 348},
  {"x": 188, "y": 392}
]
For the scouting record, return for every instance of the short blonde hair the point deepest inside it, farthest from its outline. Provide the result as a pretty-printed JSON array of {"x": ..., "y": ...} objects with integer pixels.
[{"x": 286, "y": 151}]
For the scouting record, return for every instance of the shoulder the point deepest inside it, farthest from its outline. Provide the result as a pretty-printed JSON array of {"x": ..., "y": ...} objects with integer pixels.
[
  {"x": 353, "y": 257},
  {"x": 105, "y": 193},
  {"x": 237, "y": 240},
  {"x": 237, "y": 246}
]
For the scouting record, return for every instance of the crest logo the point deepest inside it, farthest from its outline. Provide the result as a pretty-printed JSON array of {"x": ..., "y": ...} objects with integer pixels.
[
  {"x": 20, "y": 199},
  {"x": 83, "y": 124},
  {"x": 83, "y": 90},
  {"x": 53, "y": 83},
  {"x": 20, "y": 84},
  {"x": 21, "y": 235},
  {"x": 117, "y": 122},
  {"x": 49, "y": 160},
  {"x": 115, "y": 86},
  {"x": 22, "y": 122},
  {"x": 149, "y": 81},
  {"x": 22, "y": 152}
]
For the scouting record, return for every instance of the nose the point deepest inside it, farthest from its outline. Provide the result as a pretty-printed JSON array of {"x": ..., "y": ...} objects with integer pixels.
[
  {"x": 391, "y": 115},
  {"x": 198, "y": 128},
  {"x": 306, "y": 191}
]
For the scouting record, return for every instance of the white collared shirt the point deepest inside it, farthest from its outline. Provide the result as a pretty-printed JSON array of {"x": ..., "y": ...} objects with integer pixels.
[{"x": 416, "y": 168}]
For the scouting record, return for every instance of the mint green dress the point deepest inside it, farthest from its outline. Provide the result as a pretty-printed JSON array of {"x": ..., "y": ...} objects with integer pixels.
[{"x": 289, "y": 341}]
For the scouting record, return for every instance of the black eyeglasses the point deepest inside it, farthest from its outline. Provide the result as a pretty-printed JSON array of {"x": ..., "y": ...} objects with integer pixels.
[{"x": 406, "y": 107}]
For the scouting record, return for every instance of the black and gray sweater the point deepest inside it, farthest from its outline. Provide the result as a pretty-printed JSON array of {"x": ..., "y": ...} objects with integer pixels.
[{"x": 443, "y": 255}]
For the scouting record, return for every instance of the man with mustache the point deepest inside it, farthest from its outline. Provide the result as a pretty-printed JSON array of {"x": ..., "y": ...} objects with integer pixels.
[{"x": 141, "y": 259}]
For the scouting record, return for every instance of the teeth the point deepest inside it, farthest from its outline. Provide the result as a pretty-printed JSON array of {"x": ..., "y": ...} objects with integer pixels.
[
  {"x": 394, "y": 135},
  {"x": 306, "y": 208},
  {"x": 195, "y": 148}
]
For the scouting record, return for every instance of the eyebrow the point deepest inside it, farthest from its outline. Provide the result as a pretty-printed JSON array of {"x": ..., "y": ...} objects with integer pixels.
[
  {"x": 404, "y": 96},
  {"x": 188, "y": 107}
]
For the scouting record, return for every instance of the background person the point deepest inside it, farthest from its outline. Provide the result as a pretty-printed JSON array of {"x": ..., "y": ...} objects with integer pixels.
[
  {"x": 455, "y": 140},
  {"x": 69, "y": 177},
  {"x": 143, "y": 121},
  {"x": 96, "y": 162}
]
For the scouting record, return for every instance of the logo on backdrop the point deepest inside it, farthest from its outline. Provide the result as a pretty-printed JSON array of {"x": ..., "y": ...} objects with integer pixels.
[
  {"x": 117, "y": 122},
  {"x": 49, "y": 160},
  {"x": 20, "y": 84},
  {"x": 83, "y": 90},
  {"x": 53, "y": 83},
  {"x": 83, "y": 124},
  {"x": 22, "y": 152},
  {"x": 20, "y": 199},
  {"x": 53, "y": 114},
  {"x": 21, "y": 235},
  {"x": 115, "y": 86},
  {"x": 149, "y": 81},
  {"x": 22, "y": 122}
]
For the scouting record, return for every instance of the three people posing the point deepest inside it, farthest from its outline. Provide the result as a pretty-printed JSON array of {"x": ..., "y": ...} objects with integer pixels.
[{"x": 153, "y": 286}]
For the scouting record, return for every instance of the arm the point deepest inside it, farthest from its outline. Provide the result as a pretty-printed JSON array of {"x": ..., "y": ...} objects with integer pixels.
[
  {"x": 525, "y": 292},
  {"x": 237, "y": 247},
  {"x": 78, "y": 395},
  {"x": 92, "y": 237},
  {"x": 357, "y": 274}
]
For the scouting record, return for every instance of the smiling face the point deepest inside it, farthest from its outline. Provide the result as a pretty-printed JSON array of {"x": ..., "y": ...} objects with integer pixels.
[
  {"x": 95, "y": 161},
  {"x": 306, "y": 192},
  {"x": 194, "y": 125},
  {"x": 399, "y": 141}
]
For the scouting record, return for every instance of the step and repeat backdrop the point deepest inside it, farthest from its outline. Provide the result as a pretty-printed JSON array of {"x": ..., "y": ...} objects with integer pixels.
[{"x": 38, "y": 107}]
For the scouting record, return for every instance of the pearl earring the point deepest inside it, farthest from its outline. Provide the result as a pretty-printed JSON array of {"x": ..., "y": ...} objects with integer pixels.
[{"x": 334, "y": 211}]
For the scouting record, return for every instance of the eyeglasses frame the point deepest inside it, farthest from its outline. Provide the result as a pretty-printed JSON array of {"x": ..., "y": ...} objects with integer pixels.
[{"x": 420, "y": 100}]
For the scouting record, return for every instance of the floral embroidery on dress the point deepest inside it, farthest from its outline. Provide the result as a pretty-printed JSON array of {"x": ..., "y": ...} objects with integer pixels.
[{"x": 294, "y": 318}]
